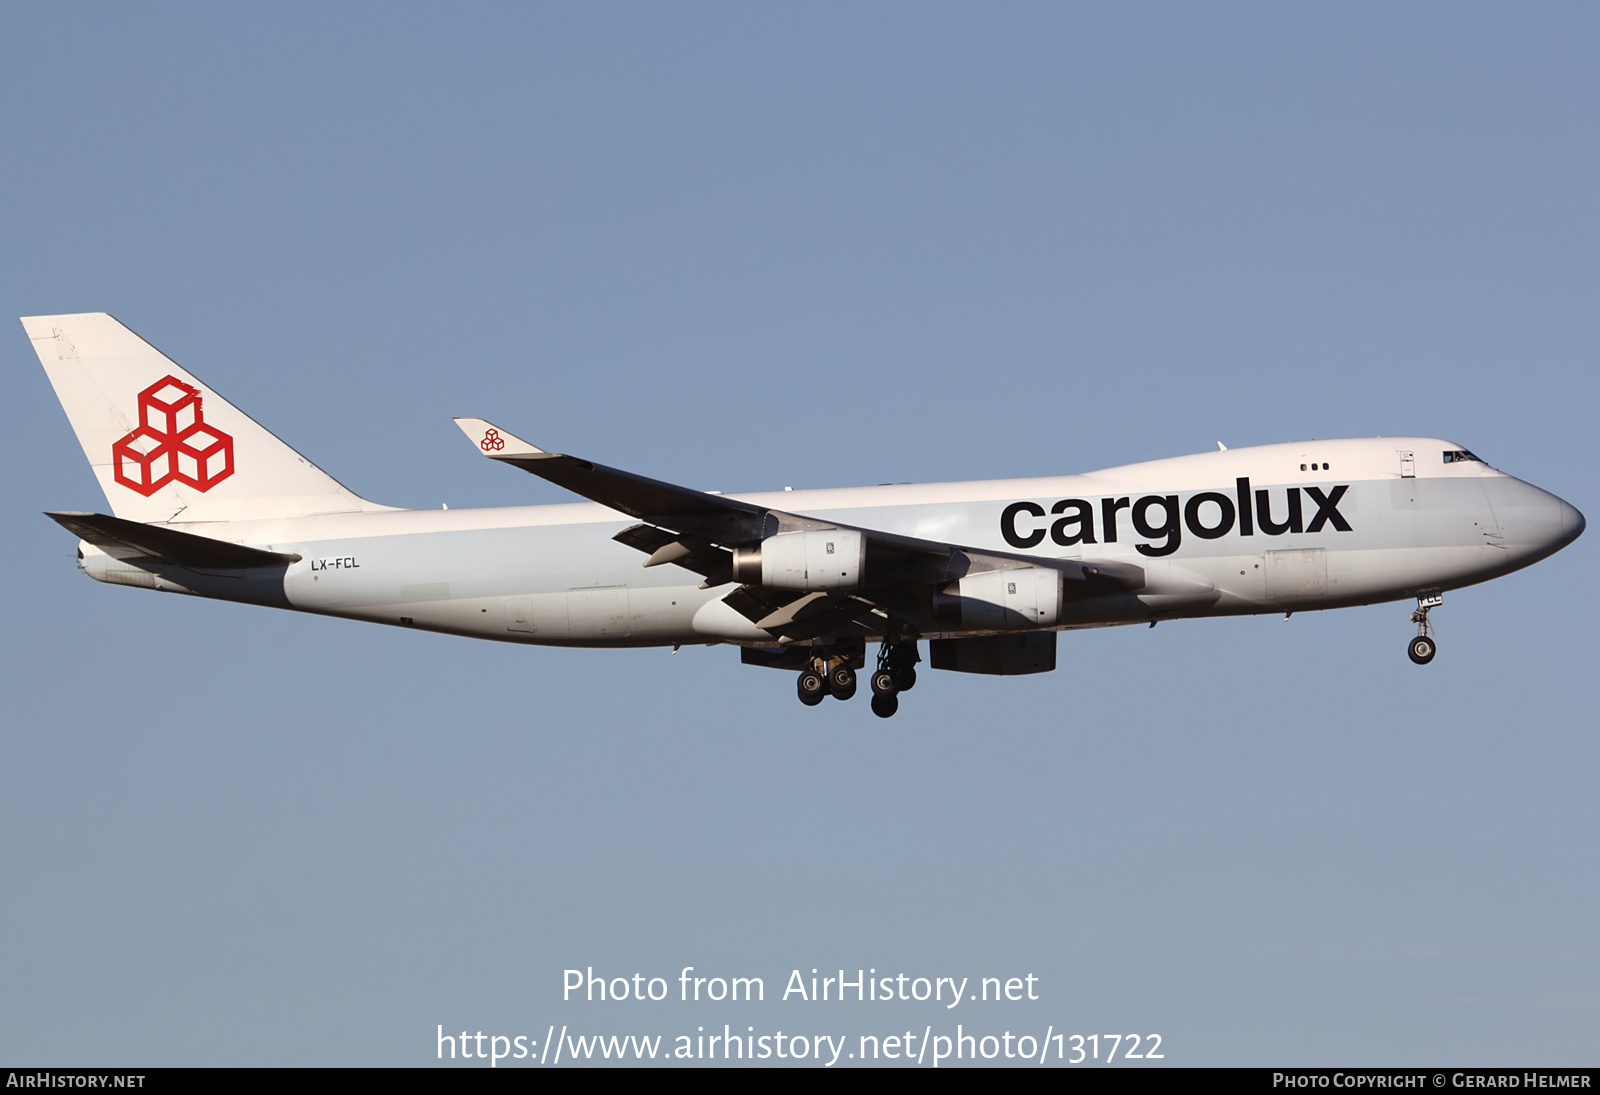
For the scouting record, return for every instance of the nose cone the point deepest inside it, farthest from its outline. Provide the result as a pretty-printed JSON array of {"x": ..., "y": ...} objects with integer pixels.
[
  {"x": 1572, "y": 522},
  {"x": 1533, "y": 523}
]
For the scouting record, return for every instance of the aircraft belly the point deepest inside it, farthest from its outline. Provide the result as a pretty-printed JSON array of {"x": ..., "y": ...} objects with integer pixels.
[
  {"x": 1388, "y": 573},
  {"x": 1240, "y": 579},
  {"x": 547, "y": 585},
  {"x": 538, "y": 617},
  {"x": 261, "y": 586},
  {"x": 597, "y": 613},
  {"x": 715, "y": 619},
  {"x": 664, "y": 613}
]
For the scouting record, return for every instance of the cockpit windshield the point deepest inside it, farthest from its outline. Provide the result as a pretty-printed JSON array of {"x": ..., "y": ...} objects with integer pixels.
[{"x": 1454, "y": 456}]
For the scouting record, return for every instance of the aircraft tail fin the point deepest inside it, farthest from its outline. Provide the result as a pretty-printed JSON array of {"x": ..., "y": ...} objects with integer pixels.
[{"x": 164, "y": 446}]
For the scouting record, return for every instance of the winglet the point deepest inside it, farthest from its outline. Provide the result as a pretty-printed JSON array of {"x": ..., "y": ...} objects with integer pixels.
[{"x": 495, "y": 442}]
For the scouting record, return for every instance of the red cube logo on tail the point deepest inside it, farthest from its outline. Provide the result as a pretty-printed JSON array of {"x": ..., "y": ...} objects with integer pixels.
[{"x": 172, "y": 442}]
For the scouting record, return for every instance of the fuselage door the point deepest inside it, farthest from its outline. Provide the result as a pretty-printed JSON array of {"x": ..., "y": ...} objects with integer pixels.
[
  {"x": 541, "y": 614},
  {"x": 519, "y": 614},
  {"x": 599, "y": 612},
  {"x": 1297, "y": 575},
  {"x": 1408, "y": 465}
]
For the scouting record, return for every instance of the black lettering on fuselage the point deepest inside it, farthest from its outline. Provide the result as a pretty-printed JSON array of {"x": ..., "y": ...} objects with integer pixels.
[
  {"x": 1328, "y": 509},
  {"x": 1170, "y": 530},
  {"x": 1208, "y": 515},
  {"x": 1078, "y": 513},
  {"x": 1008, "y": 525},
  {"x": 1108, "y": 516},
  {"x": 1264, "y": 514},
  {"x": 1191, "y": 515}
]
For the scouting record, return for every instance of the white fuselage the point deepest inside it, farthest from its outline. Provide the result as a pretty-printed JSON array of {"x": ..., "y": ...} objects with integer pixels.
[{"x": 1215, "y": 533}]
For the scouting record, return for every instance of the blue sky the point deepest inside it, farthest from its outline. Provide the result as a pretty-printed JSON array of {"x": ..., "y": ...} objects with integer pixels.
[{"x": 744, "y": 247}]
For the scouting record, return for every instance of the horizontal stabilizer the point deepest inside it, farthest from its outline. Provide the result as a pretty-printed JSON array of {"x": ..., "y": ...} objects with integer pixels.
[{"x": 130, "y": 539}]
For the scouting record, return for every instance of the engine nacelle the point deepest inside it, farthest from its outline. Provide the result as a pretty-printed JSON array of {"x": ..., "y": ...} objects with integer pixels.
[
  {"x": 1001, "y": 600},
  {"x": 814, "y": 561}
]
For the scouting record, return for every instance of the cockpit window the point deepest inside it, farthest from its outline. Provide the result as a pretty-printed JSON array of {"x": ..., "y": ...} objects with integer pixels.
[{"x": 1457, "y": 455}]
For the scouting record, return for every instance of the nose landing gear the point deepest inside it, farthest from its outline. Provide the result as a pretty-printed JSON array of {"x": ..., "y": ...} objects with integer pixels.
[{"x": 1422, "y": 648}]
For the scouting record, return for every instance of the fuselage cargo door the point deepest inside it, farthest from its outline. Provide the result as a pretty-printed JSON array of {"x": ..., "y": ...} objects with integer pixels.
[
  {"x": 1408, "y": 465},
  {"x": 541, "y": 614},
  {"x": 599, "y": 612},
  {"x": 1297, "y": 575}
]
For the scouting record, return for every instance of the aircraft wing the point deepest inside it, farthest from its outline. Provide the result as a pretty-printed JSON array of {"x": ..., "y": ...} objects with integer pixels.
[
  {"x": 698, "y": 530},
  {"x": 634, "y": 495}
]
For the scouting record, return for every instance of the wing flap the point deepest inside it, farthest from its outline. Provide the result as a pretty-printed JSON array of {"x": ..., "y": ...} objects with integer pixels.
[{"x": 690, "y": 552}]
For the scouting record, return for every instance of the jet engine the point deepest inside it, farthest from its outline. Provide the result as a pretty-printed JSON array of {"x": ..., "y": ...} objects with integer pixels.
[
  {"x": 1001, "y": 600},
  {"x": 813, "y": 561}
]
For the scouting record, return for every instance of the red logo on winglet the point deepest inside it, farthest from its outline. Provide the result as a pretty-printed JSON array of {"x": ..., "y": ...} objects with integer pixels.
[
  {"x": 172, "y": 442},
  {"x": 492, "y": 441}
]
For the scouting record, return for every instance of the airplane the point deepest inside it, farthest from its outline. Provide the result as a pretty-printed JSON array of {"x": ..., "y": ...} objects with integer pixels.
[{"x": 205, "y": 501}]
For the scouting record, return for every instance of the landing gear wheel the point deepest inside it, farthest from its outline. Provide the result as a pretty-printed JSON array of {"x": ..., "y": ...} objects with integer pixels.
[
  {"x": 898, "y": 660},
  {"x": 885, "y": 705},
  {"x": 884, "y": 683},
  {"x": 842, "y": 682},
  {"x": 811, "y": 687},
  {"x": 1423, "y": 648}
]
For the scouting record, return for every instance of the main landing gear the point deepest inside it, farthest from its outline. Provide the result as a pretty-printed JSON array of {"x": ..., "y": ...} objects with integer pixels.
[
  {"x": 1423, "y": 648},
  {"x": 812, "y": 687},
  {"x": 829, "y": 674},
  {"x": 896, "y": 673}
]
